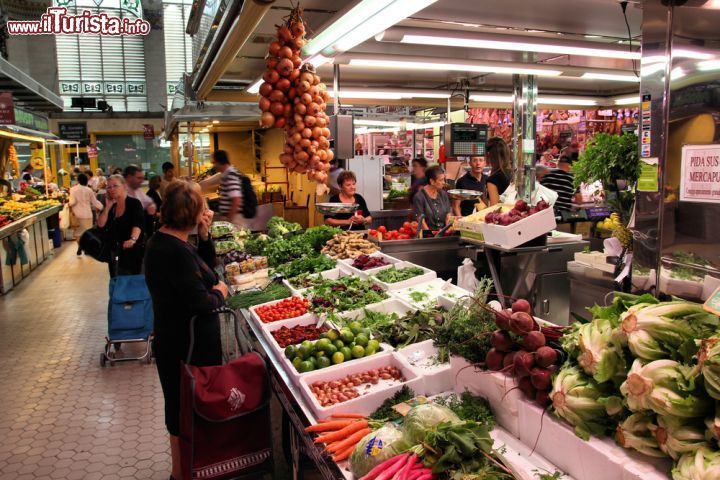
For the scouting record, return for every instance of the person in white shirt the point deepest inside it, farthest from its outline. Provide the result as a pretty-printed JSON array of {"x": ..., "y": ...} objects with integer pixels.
[
  {"x": 134, "y": 178},
  {"x": 82, "y": 202}
]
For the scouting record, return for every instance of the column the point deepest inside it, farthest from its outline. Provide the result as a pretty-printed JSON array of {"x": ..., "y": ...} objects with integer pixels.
[{"x": 523, "y": 145}]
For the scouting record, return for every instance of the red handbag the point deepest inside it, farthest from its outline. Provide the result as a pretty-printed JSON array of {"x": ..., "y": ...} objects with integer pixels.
[{"x": 225, "y": 416}]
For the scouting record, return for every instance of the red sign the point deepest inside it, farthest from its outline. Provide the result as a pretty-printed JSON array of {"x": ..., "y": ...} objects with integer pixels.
[
  {"x": 7, "y": 110},
  {"x": 148, "y": 131},
  {"x": 92, "y": 151}
]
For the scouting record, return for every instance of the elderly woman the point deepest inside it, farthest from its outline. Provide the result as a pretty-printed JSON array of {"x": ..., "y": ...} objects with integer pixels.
[
  {"x": 122, "y": 219},
  {"x": 182, "y": 285},
  {"x": 348, "y": 187},
  {"x": 432, "y": 202}
]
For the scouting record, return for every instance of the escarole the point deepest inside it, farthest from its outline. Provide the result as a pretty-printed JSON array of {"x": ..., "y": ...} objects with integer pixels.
[
  {"x": 704, "y": 464},
  {"x": 599, "y": 354},
  {"x": 709, "y": 361},
  {"x": 677, "y": 436},
  {"x": 636, "y": 432}
]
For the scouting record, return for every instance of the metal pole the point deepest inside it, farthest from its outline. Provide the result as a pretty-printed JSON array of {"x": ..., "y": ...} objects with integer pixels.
[
  {"x": 336, "y": 89},
  {"x": 523, "y": 145}
]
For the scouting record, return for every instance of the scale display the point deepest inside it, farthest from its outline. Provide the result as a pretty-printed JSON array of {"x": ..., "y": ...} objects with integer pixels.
[{"x": 465, "y": 139}]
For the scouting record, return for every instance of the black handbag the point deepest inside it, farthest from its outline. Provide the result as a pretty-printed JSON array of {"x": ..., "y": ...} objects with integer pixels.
[{"x": 94, "y": 243}]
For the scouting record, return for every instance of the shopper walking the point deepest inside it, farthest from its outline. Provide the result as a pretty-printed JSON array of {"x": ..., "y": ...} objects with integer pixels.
[
  {"x": 123, "y": 220},
  {"x": 562, "y": 181},
  {"x": 168, "y": 170},
  {"x": 182, "y": 285},
  {"x": 134, "y": 178},
  {"x": 231, "y": 197},
  {"x": 498, "y": 156},
  {"x": 154, "y": 186},
  {"x": 82, "y": 203}
]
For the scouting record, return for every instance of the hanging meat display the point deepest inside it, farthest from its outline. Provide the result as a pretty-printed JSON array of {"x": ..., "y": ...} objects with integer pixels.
[{"x": 292, "y": 97}]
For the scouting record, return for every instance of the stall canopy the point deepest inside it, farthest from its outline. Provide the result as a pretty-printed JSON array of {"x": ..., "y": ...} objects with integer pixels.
[
  {"x": 225, "y": 112},
  {"x": 26, "y": 91}
]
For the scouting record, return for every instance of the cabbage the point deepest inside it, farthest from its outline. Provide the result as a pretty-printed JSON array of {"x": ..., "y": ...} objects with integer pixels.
[
  {"x": 667, "y": 388},
  {"x": 422, "y": 418},
  {"x": 636, "y": 432},
  {"x": 599, "y": 354},
  {"x": 677, "y": 436},
  {"x": 376, "y": 447},
  {"x": 701, "y": 465}
]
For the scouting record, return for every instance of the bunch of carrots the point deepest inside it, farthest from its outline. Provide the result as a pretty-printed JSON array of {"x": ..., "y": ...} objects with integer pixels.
[{"x": 340, "y": 433}]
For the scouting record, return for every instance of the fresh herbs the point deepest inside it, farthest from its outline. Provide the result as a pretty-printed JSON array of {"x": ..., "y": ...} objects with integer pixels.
[
  {"x": 255, "y": 244},
  {"x": 344, "y": 294},
  {"x": 278, "y": 226},
  {"x": 395, "y": 275},
  {"x": 274, "y": 291},
  {"x": 386, "y": 410},
  {"x": 318, "y": 236},
  {"x": 418, "y": 296},
  {"x": 469, "y": 407},
  {"x": 312, "y": 263},
  {"x": 281, "y": 251}
]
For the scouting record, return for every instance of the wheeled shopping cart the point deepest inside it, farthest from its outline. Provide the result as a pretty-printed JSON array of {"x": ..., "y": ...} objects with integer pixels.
[{"x": 130, "y": 318}]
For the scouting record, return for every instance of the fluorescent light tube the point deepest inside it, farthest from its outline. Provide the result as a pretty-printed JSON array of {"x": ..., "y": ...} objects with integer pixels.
[
  {"x": 708, "y": 65},
  {"x": 635, "y": 100},
  {"x": 611, "y": 76},
  {"x": 255, "y": 87},
  {"x": 409, "y": 65},
  {"x": 519, "y": 46},
  {"x": 391, "y": 94},
  {"x": 567, "y": 101},
  {"x": 492, "y": 98}
]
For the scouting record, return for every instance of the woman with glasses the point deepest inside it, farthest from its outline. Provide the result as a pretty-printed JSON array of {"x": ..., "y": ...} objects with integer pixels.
[{"x": 432, "y": 202}]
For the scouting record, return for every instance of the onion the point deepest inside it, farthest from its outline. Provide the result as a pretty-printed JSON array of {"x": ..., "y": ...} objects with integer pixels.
[
  {"x": 323, "y": 142},
  {"x": 521, "y": 323},
  {"x": 280, "y": 122},
  {"x": 313, "y": 91},
  {"x": 525, "y": 386},
  {"x": 306, "y": 133},
  {"x": 285, "y": 67},
  {"x": 292, "y": 93},
  {"x": 303, "y": 87},
  {"x": 321, "y": 121},
  {"x": 271, "y": 63},
  {"x": 317, "y": 132},
  {"x": 540, "y": 378},
  {"x": 315, "y": 160},
  {"x": 501, "y": 341},
  {"x": 494, "y": 359},
  {"x": 301, "y": 157},
  {"x": 330, "y": 155},
  {"x": 521, "y": 305},
  {"x": 321, "y": 177},
  {"x": 294, "y": 75},
  {"x": 265, "y": 89},
  {"x": 533, "y": 341},
  {"x": 310, "y": 120},
  {"x": 271, "y": 76},
  {"x": 325, "y": 132},
  {"x": 523, "y": 362},
  {"x": 325, "y": 167},
  {"x": 322, "y": 153},
  {"x": 284, "y": 33},
  {"x": 305, "y": 143},
  {"x": 287, "y": 112},
  {"x": 297, "y": 61},
  {"x": 307, "y": 77},
  {"x": 546, "y": 356},
  {"x": 276, "y": 96},
  {"x": 297, "y": 29},
  {"x": 313, "y": 108},
  {"x": 298, "y": 121},
  {"x": 267, "y": 119},
  {"x": 307, "y": 100},
  {"x": 285, "y": 158},
  {"x": 274, "y": 48},
  {"x": 264, "y": 104},
  {"x": 277, "y": 108},
  {"x": 288, "y": 149},
  {"x": 316, "y": 80},
  {"x": 283, "y": 85},
  {"x": 295, "y": 138}
]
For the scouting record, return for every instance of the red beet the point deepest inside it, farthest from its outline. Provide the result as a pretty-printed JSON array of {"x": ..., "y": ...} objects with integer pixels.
[
  {"x": 494, "y": 360},
  {"x": 542, "y": 398},
  {"x": 521, "y": 323},
  {"x": 501, "y": 340},
  {"x": 502, "y": 320},
  {"x": 521, "y": 305},
  {"x": 525, "y": 386},
  {"x": 509, "y": 363},
  {"x": 521, "y": 205},
  {"x": 523, "y": 362},
  {"x": 533, "y": 341},
  {"x": 546, "y": 356},
  {"x": 540, "y": 378}
]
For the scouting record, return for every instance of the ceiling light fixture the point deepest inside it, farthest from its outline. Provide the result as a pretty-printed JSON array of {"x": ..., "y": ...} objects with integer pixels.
[
  {"x": 391, "y": 94},
  {"x": 499, "y": 98},
  {"x": 492, "y": 98},
  {"x": 216, "y": 122},
  {"x": 363, "y": 21},
  {"x": 458, "y": 67},
  {"x": 634, "y": 100},
  {"x": 708, "y": 65},
  {"x": 610, "y": 76}
]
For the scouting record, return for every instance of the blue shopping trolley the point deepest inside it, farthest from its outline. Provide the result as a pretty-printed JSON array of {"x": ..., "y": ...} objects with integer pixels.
[{"x": 130, "y": 317}]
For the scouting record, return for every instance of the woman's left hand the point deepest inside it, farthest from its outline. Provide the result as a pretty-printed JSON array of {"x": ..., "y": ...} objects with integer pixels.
[
  {"x": 204, "y": 224},
  {"x": 358, "y": 219},
  {"x": 127, "y": 244}
]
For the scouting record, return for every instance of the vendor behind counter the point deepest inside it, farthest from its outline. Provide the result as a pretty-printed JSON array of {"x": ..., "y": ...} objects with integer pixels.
[
  {"x": 431, "y": 202},
  {"x": 474, "y": 180},
  {"x": 347, "y": 181}
]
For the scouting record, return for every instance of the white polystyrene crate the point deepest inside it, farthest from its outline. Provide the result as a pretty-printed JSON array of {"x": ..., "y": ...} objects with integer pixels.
[
  {"x": 268, "y": 328},
  {"x": 368, "y": 402},
  {"x": 497, "y": 388},
  {"x": 260, "y": 323},
  {"x": 433, "y": 289},
  {"x": 521, "y": 231},
  {"x": 641, "y": 467},
  {"x": 426, "y": 276},
  {"x": 346, "y": 265},
  {"x": 524, "y": 463},
  {"x": 437, "y": 377},
  {"x": 332, "y": 274},
  {"x": 389, "y": 306}
]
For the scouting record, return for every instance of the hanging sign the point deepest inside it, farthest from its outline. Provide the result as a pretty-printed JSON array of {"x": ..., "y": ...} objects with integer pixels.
[
  {"x": 7, "y": 111},
  {"x": 73, "y": 131},
  {"x": 148, "y": 131},
  {"x": 712, "y": 304},
  {"x": 92, "y": 151},
  {"x": 700, "y": 174}
]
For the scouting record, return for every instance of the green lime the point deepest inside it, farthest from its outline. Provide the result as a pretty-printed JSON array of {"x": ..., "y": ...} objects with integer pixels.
[
  {"x": 303, "y": 352},
  {"x": 306, "y": 366},
  {"x": 373, "y": 344},
  {"x": 323, "y": 362},
  {"x": 313, "y": 361},
  {"x": 355, "y": 327},
  {"x": 346, "y": 335},
  {"x": 358, "y": 351},
  {"x": 347, "y": 353},
  {"x": 307, "y": 344},
  {"x": 338, "y": 344},
  {"x": 330, "y": 349},
  {"x": 370, "y": 351},
  {"x": 338, "y": 357},
  {"x": 361, "y": 339},
  {"x": 323, "y": 335},
  {"x": 367, "y": 332},
  {"x": 319, "y": 353},
  {"x": 322, "y": 343},
  {"x": 296, "y": 362},
  {"x": 290, "y": 352},
  {"x": 333, "y": 335},
  {"x": 351, "y": 345}
]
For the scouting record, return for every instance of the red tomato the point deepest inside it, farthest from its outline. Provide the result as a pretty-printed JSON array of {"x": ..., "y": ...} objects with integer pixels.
[
  {"x": 414, "y": 225},
  {"x": 382, "y": 229},
  {"x": 373, "y": 233},
  {"x": 404, "y": 236},
  {"x": 406, "y": 225}
]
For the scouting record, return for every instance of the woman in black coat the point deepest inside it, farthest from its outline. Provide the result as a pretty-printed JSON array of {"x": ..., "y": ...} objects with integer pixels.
[{"x": 182, "y": 285}]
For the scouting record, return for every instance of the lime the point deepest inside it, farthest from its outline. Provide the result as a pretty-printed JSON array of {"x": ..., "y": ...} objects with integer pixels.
[
  {"x": 373, "y": 344},
  {"x": 323, "y": 362},
  {"x": 306, "y": 366},
  {"x": 367, "y": 332},
  {"x": 307, "y": 344},
  {"x": 338, "y": 344},
  {"x": 323, "y": 335},
  {"x": 346, "y": 335},
  {"x": 322, "y": 344},
  {"x": 370, "y": 351},
  {"x": 346, "y": 352},
  {"x": 333, "y": 335},
  {"x": 351, "y": 345},
  {"x": 358, "y": 351},
  {"x": 318, "y": 354},
  {"x": 313, "y": 361},
  {"x": 355, "y": 327},
  {"x": 290, "y": 352},
  {"x": 338, "y": 357},
  {"x": 361, "y": 339},
  {"x": 330, "y": 349},
  {"x": 296, "y": 362},
  {"x": 303, "y": 352}
]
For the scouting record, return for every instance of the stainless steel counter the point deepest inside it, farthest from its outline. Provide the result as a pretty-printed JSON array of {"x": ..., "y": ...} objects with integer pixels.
[{"x": 440, "y": 254}]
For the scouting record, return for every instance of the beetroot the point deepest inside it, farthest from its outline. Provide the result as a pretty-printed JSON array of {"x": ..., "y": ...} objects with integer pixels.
[
  {"x": 523, "y": 362},
  {"x": 494, "y": 360},
  {"x": 525, "y": 386},
  {"x": 521, "y": 305},
  {"x": 540, "y": 378},
  {"x": 546, "y": 356},
  {"x": 542, "y": 398},
  {"x": 501, "y": 340},
  {"x": 520, "y": 205},
  {"x": 533, "y": 341},
  {"x": 502, "y": 319},
  {"x": 509, "y": 363},
  {"x": 522, "y": 323}
]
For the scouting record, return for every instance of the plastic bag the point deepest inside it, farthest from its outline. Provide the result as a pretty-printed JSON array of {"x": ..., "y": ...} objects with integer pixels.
[
  {"x": 466, "y": 276},
  {"x": 65, "y": 217},
  {"x": 540, "y": 192},
  {"x": 422, "y": 418},
  {"x": 376, "y": 447}
]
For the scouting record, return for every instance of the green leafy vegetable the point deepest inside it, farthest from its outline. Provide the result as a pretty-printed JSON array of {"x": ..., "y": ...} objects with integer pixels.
[
  {"x": 469, "y": 407},
  {"x": 224, "y": 246},
  {"x": 344, "y": 294},
  {"x": 278, "y": 226},
  {"x": 307, "y": 264},
  {"x": 637, "y": 432},
  {"x": 419, "y": 296},
  {"x": 221, "y": 229},
  {"x": 274, "y": 291},
  {"x": 395, "y": 275},
  {"x": 255, "y": 244},
  {"x": 318, "y": 236},
  {"x": 701, "y": 465},
  {"x": 421, "y": 419},
  {"x": 386, "y": 411},
  {"x": 597, "y": 350}
]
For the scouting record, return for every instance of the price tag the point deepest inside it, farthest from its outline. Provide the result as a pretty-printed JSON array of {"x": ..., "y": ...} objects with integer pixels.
[
  {"x": 322, "y": 318},
  {"x": 712, "y": 304}
]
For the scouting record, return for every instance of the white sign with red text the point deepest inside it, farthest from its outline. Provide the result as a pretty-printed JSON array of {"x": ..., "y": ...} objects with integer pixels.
[{"x": 700, "y": 174}]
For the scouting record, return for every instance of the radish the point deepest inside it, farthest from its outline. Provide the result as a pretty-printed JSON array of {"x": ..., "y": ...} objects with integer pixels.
[
  {"x": 523, "y": 362},
  {"x": 403, "y": 473},
  {"x": 533, "y": 341},
  {"x": 392, "y": 470},
  {"x": 542, "y": 398},
  {"x": 522, "y": 323},
  {"x": 525, "y": 386},
  {"x": 509, "y": 363},
  {"x": 373, "y": 474},
  {"x": 501, "y": 340},
  {"x": 546, "y": 356},
  {"x": 521, "y": 305},
  {"x": 540, "y": 378},
  {"x": 494, "y": 360}
]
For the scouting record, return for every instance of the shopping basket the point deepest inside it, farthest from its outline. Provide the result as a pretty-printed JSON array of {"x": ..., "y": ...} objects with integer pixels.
[
  {"x": 225, "y": 414},
  {"x": 130, "y": 318}
]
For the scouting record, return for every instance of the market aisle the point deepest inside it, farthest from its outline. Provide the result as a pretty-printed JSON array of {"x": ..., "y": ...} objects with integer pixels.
[{"x": 61, "y": 415}]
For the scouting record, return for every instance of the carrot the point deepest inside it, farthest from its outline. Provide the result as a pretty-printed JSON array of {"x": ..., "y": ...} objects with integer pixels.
[
  {"x": 343, "y": 433},
  {"x": 327, "y": 426},
  {"x": 351, "y": 440},
  {"x": 342, "y": 456},
  {"x": 347, "y": 415}
]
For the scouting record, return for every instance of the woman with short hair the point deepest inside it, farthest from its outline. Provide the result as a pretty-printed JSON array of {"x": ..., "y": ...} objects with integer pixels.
[
  {"x": 432, "y": 202},
  {"x": 183, "y": 285},
  {"x": 358, "y": 220}
]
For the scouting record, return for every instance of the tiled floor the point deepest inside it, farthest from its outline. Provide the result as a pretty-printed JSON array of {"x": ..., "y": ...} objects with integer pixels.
[{"x": 61, "y": 415}]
